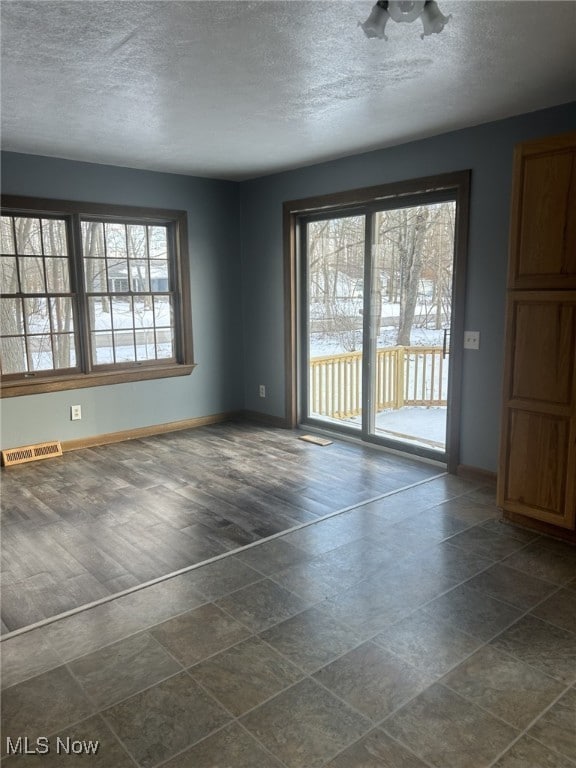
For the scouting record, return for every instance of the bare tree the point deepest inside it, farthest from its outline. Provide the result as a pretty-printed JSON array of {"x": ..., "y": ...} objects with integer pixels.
[
  {"x": 413, "y": 245},
  {"x": 412, "y": 274},
  {"x": 335, "y": 270},
  {"x": 411, "y": 261}
]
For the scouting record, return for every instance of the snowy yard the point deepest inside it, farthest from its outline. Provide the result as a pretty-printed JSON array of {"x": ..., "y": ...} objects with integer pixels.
[
  {"x": 419, "y": 426},
  {"x": 328, "y": 344}
]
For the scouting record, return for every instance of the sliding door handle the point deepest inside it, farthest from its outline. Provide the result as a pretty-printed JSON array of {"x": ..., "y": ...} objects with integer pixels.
[{"x": 445, "y": 344}]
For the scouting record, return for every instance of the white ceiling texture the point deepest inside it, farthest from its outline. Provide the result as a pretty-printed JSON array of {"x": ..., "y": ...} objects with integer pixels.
[{"x": 240, "y": 89}]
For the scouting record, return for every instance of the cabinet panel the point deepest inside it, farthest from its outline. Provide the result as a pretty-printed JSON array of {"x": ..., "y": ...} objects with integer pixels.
[
  {"x": 543, "y": 344},
  {"x": 537, "y": 480},
  {"x": 537, "y": 471},
  {"x": 543, "y": 231}
]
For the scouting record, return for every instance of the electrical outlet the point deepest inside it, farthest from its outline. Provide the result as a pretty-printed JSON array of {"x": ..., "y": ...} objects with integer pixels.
[
  {"x": 471, "y": 339},
  {"x": 262, "y": 390},
  {"x": 75, "y": 412}
]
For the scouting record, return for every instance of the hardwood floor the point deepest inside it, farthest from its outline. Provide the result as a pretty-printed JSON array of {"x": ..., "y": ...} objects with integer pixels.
[{"x": 101, "y": 520}]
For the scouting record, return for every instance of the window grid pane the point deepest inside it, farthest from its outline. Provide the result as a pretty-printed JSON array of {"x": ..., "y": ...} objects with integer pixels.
[
  {"x": 57, "y": 275},
  {"x": 14, "y": 355},
  {"x": 7, "y": 235},
  {"x": 32, "y": 275},
  {"x": 158, "y": 242},
  {"x": 11, "y": 317},
  {"x": 165, "y": 343},
  {"x": 137, "y": 241},
  {"x": 127, "y": 276},
  {"x": 64, "y": 350},
  {"x": 28, "y": 236},
  {"x": 95, "y": 275},
  {"x": 40, "y": 352},
  {"x": 129, "y": 292},
  {"x": 54, "y": 237},
  {"x": 9, "y": 282},
  {"x": 43, "y": 300}
]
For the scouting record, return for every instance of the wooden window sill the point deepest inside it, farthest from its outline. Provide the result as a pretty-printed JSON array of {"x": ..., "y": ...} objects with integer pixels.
[{"x": 82, "y": 380}]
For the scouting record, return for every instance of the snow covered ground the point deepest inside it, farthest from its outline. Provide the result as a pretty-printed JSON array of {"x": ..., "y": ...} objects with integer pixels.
[
  {"x": 415, "y": 425},
  {"x": 328, "y": 344},
  {"x": 423, "y": 426}
]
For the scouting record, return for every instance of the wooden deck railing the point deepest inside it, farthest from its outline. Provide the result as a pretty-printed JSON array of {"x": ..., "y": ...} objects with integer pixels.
[{"x": 404, "y": 376}]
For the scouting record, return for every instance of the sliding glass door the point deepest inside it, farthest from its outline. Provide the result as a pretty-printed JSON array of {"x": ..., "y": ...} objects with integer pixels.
[
  {"x": 376, "y": 313},
  {"x": 334, "y": 341},
  {"x": 411, "y": 312}
]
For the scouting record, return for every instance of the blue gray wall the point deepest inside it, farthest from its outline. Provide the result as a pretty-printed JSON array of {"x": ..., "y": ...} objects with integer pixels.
[
  {"x": 215, "y": 386},
  {"x": 235, "y": 234},
  {"x": 487, "y": 151}
]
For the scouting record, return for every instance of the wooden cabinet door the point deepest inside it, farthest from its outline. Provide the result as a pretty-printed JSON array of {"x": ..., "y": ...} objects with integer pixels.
[
  {"x": 537, "y": 474},
  {"x": 543, "y": 231}
]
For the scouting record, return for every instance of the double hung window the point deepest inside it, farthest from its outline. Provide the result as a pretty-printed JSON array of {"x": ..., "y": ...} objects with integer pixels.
[{"x": 91, "y": 294}]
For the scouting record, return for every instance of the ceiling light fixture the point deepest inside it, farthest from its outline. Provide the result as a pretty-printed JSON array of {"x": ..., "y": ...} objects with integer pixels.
[{"x": 432, "y": 17}]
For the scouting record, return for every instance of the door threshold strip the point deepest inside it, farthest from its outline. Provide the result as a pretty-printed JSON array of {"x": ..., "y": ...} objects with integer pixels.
[{"x": 188, "y": 568}]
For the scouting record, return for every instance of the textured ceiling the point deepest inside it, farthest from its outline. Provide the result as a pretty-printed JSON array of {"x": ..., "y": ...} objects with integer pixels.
[{"x": 240, "y": 89}]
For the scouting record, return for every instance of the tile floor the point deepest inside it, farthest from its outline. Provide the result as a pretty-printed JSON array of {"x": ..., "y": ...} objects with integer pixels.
[{"x": 413, "y": 631}]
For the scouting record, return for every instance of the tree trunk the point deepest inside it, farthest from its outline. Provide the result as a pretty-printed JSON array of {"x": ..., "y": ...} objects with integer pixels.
[{"x": 412, "y": 260}]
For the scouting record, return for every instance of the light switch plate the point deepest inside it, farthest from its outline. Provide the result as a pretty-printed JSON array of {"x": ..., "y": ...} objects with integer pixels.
[{"x": 471, "y": 339}]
